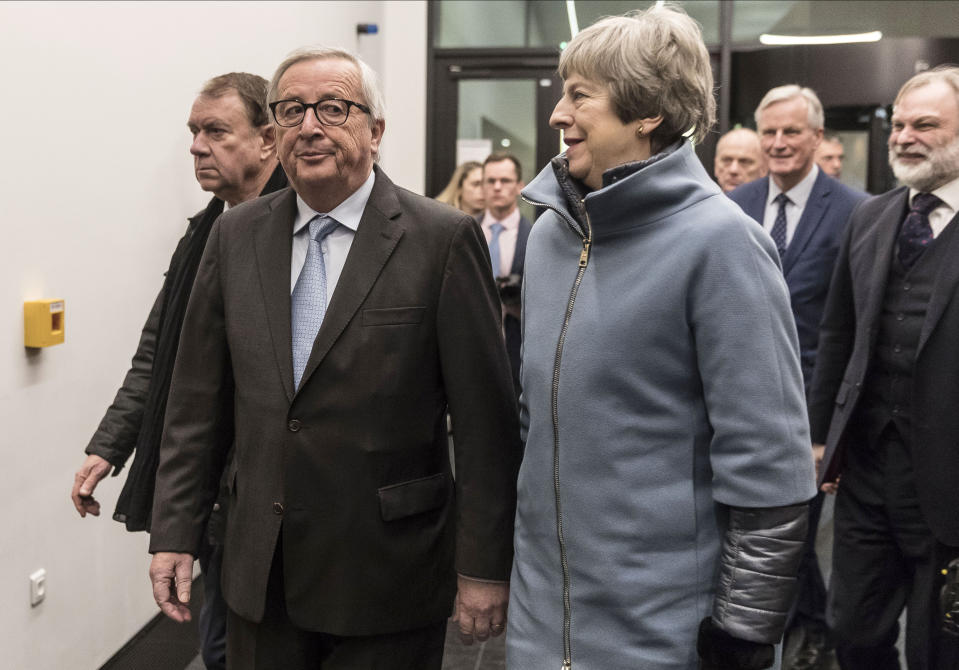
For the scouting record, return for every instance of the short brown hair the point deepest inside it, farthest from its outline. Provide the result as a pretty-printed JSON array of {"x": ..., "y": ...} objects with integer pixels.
[
  {"x": 500, "y": 156},
  {"x": 250, "y": 88}
]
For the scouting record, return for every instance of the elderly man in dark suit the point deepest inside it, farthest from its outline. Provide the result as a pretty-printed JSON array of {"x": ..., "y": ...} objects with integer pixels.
[
  {"x": 805, "y": 211},
  {"x": 332, "y": 325},
  {"x": 885, "y": 395}
]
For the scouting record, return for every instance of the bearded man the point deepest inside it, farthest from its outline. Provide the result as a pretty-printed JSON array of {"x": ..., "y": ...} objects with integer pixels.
[{"x": 884, "y": 396}]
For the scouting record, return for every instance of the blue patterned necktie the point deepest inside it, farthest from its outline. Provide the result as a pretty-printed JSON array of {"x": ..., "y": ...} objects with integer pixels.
[
  {"x": 494, "y": 256},
  {"x": 308, "y": 302},
  {"x": 916, "y": 233},
  {"x": 778, "y": 232}
]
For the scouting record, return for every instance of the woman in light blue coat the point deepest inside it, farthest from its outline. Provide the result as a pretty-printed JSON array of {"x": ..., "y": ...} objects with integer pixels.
[{"x": 662, "y": 495}]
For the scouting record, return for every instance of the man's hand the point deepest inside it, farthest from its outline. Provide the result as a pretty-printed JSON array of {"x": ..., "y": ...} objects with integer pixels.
[
  {"x": 480, "y": 609},
  {"x": 818, "y": 451},
  {"x": 85, "y": 481},
  {"x": 172, "y": 578}
]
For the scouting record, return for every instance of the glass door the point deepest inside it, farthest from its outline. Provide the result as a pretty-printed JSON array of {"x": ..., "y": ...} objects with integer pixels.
[{"x": 483, "y": 104}]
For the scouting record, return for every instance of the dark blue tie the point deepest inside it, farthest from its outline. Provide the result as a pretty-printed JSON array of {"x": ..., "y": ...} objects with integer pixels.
[
  {"x": 778, "y": 232},
  {"x": 916, "y": 233}
]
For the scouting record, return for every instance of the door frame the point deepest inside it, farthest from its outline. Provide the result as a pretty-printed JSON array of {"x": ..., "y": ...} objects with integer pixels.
[{"x": 449, "y": 66}]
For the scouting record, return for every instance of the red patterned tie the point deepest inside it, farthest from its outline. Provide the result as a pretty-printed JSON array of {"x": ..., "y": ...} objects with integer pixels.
[{"x": 916, "y": 233}]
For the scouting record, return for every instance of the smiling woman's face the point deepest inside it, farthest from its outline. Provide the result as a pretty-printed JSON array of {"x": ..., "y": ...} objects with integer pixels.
[{"x": 596, "y": 138}]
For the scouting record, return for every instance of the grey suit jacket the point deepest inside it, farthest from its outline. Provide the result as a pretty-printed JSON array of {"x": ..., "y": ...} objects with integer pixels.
[{"x": 353, "y": 466}]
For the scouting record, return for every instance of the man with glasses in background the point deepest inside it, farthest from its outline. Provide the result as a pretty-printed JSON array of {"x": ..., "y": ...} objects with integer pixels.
[
  {"x": 331, "y": 326},
  {"x": 506, "y": 232}
]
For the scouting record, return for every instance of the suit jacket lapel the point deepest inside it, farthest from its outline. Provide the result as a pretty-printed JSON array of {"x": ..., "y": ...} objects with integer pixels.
[
  {"x": 944, "y": 286},
  {"x": 812, "y": 216},
  {"x": 886, "y": 231},
  {"x": 519, "y": 255},
  {"x": 376, "y": 237},
  {"x": 757, "y": 207},
  {"x": 273, "y": 241}
]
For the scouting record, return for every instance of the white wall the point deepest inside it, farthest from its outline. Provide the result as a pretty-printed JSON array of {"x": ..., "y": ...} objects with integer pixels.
[{"x": 95, "y": 193}]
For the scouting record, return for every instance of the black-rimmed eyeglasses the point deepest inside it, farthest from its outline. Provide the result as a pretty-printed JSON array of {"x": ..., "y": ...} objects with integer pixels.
[{"x": 329, "y": 112}]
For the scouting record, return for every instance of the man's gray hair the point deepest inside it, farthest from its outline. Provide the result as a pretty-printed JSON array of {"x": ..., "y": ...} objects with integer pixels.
[
  {"x": 948, "y": 74},
  {"x": 369, "y": 81},
  {"x": 814, "y": 114},
  {"x": 653, "y": 62}
]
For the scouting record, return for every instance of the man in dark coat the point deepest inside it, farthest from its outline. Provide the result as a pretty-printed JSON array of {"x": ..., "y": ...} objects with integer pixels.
[
  {"x": 885, "y": 392},
  {"x": 331, "y": 325},
  {"x": 234, "y": 154}
]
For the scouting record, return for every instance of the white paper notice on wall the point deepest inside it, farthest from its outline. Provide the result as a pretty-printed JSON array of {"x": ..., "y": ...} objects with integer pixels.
[{"x": 473, "y": 150}]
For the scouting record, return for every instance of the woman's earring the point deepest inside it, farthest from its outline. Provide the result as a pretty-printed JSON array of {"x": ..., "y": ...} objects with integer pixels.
[{"x": 639, "y": 131}]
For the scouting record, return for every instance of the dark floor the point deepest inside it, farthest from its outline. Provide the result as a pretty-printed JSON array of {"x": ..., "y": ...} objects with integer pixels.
[{"x": 165, "y": 645}]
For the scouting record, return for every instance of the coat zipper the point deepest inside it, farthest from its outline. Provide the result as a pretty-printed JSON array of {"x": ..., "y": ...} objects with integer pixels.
[{"x": 554, "y": 407}]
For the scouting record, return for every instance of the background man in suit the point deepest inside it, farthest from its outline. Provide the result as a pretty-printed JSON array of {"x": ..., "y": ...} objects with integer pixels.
[
  {"x": 234, "y": 156},
  {"x": 506, "y": 233},
  {"x": 886, "y": 390},
  {"x": 331, "y": 325},
  {"x": 805, "y": 211},
  {"x": 830, "y": 154},
  {"x": 739, "y": 159}
]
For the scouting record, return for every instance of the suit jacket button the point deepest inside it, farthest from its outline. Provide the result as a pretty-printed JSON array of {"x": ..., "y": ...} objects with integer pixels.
[
  {"x": 294, "y": 425},
  {"x": 216, "y": 507},
  {"x": 277, "y": 508}
]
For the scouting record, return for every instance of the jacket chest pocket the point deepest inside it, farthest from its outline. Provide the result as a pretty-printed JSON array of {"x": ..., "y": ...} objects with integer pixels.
[{"x": 392, "y": 316}]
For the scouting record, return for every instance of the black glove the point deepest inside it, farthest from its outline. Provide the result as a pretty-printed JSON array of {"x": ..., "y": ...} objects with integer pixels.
[{"x": 718, "y": 650}]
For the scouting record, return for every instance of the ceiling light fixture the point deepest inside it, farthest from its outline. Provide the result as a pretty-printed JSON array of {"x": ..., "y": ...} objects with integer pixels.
[
  {"x": 787, "y": 40},
  {"x": 573, "y": 21}
]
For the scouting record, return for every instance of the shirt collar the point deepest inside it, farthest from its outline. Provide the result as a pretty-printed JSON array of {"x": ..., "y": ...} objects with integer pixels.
[
  {"x": 799, "y": 193},
  {"x": 511, "y": 222},
  {"x": 948, "y": 193},
  {"x": 348, "y": 213}
]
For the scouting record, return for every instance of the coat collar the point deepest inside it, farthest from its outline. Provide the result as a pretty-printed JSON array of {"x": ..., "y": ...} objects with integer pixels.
[{"x": 653, "y": 192}]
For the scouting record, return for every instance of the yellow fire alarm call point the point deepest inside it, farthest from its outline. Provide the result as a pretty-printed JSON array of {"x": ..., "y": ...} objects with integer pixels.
[{"x": 43, "y": 322}]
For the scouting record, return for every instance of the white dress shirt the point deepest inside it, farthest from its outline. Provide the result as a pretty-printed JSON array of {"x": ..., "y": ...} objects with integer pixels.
[
  {"x": 507, "y": 239},
  {"x": 798, "y": 196},
  {"x": 336, "y": 245},
  {"x": 940, "y": 217}
]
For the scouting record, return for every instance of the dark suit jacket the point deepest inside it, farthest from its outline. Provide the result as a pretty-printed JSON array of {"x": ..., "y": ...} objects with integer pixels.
[
  {"x": 811, "y": 254},
  {"x": 511, "y": 325},
  {"x": 355, "y": 463},
  {"x": 846, "y": 347}
]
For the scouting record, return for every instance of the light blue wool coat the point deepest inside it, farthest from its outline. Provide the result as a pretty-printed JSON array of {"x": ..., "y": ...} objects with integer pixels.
[{"x": 679, "y": 394}]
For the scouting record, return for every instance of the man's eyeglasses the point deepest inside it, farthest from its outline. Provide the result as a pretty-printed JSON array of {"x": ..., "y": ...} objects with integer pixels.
[{"x": 329, "y": 112}]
